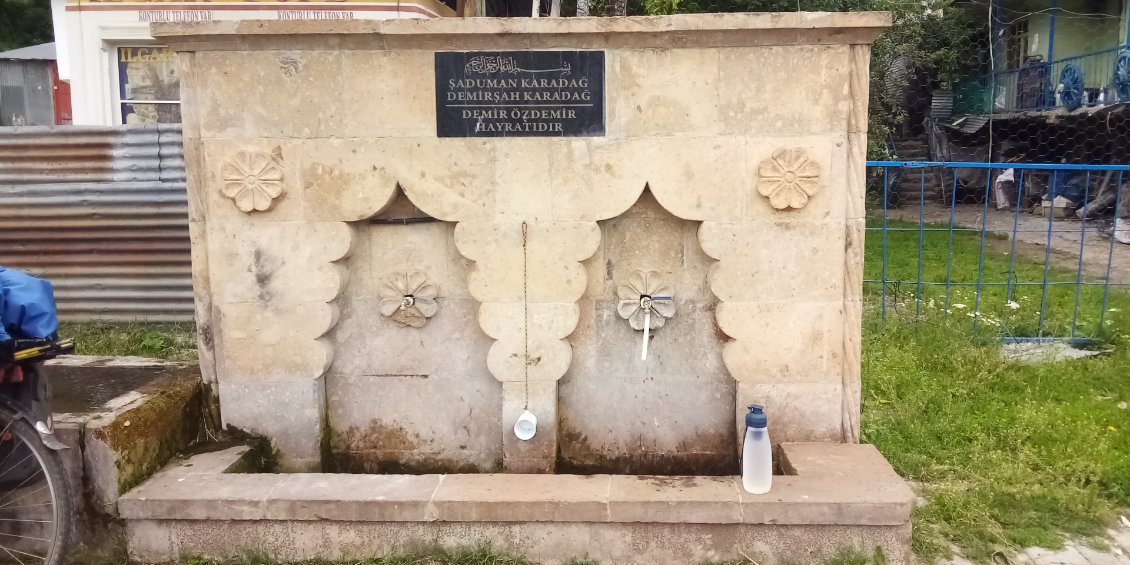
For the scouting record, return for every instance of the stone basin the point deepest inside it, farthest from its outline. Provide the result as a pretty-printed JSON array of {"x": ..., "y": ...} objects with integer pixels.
[{"x": 833, "y": 497}]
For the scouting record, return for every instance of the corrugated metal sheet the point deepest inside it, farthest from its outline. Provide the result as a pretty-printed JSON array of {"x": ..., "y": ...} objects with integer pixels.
[
  {"x": 968, "y": 124},
  {"x": 103, "y": 214},
  {"x": 941, "y": 104},
  {"x": 26, "y": 93}
]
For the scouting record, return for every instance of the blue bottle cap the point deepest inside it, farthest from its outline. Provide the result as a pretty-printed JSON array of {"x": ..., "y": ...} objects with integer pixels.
[{"x": 756, "y": 417}]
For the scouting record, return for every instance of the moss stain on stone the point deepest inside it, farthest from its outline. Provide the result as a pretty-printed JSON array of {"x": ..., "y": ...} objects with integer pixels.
[
  {"x": 577, "y": 455},
  {"x": 148, "y": 436},
  {"x": 383, "y": 448}
]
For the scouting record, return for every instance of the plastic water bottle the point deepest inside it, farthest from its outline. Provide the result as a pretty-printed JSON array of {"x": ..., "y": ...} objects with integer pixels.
[{"x": 757, "y": 453}]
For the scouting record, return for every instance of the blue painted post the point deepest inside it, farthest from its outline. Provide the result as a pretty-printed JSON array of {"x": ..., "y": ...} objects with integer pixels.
[
  {"x": 949, "y": 255},
  {"x": 1050, "y": 90},
  {"x": 1048, "y": 252},
  {"x": 981, "y": 253},
  {"x": 883, "y": 278},
  {"x": 1082, "y": 241},
  {"x": 1051, "y": 31},
  {"x": 997, "y": 32},
  {"x": 1012, "y": 250},
  {"x": 921, "y": 238},
  {"x": 1110, "y": 253}
]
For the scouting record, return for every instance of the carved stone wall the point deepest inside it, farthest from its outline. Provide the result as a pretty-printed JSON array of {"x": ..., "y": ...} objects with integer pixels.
[
  {"x": 670, "y": 413},
  {"x": 751, "y": 125}
]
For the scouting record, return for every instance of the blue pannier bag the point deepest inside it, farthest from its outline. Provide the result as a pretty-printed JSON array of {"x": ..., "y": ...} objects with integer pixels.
[{"x": 27, "y": 307}]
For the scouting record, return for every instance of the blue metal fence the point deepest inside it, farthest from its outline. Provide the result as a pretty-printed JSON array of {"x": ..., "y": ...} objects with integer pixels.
[
  {"x": 932, "y": 243},
  {"x": 1033, "y": 87}
]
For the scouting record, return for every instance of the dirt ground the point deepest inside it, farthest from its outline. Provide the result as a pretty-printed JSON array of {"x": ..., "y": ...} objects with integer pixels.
[{"x": 1068, "y": 236}]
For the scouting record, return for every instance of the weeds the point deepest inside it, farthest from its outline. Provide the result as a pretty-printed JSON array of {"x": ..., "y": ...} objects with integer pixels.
[
  {"x": 175, "y": 342},
  {"x": 1006, "y": 455},
  {"x": 425, "y": 555}
]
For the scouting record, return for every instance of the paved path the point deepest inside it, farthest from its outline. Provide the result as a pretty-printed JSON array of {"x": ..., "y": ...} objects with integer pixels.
[
  {"x": 1068, "y": 236},
  {"x": 1076, "y": 554}
]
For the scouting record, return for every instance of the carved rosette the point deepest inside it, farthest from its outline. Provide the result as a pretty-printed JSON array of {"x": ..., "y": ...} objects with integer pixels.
[
  {"x": 253, "y": 179},
  {"x": 788, "y": 178},
  {"x": 645, "y": 291},
  {"x": 408, "y": 299}
]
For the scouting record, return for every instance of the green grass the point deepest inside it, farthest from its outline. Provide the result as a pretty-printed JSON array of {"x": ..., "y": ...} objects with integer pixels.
[
  {"x": 1006, "y": 455},
  {"x": 1003, "y": 311},
  {"x": 430, "y": 554},
  {"x": 846, "y": 557},
  {"x": 159, "y": 341}
]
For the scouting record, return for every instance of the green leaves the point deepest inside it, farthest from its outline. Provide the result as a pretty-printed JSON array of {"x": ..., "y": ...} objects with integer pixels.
[{"x": 24, "y": 23}]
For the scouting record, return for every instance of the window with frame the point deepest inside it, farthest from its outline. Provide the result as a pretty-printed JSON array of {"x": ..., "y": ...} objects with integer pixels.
[
  {"x": 148, "y": 85},
  {"x": 1015, "y": 44}
]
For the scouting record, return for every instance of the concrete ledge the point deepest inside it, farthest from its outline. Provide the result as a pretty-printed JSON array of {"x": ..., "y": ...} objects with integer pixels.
[
  {"x": 684, "y": 30},
  {"x": 838, "y": 496},
  {"x": 682, "y": 23},
  {"x": 546, "y": 543},
  {"x": 834, "y": 484}
]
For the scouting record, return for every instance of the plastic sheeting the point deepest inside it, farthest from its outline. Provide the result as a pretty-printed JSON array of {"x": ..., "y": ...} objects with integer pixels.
[{"x": 27, "y": 306}]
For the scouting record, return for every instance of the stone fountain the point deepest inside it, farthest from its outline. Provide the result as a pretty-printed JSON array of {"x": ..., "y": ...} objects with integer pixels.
[{"x": 408, "y": 234}]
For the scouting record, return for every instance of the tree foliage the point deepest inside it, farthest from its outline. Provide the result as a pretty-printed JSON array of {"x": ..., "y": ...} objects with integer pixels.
[
  {"x": 942, "y": 39},
  {"x": 24, "y": 22}
]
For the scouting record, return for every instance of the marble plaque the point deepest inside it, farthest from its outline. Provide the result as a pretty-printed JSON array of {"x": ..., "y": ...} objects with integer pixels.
[{"x": 520, "y": 94}]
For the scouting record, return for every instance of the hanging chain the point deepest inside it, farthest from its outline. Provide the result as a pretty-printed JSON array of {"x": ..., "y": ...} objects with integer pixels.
[{"x": 526, "y": 314}]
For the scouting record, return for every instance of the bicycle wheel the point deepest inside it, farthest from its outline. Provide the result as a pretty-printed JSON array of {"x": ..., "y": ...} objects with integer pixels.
[{"x": 36, "y": 514}]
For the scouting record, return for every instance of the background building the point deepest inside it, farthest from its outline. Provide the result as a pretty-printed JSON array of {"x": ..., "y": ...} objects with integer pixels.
[
  {"x": 119, "y": 75},
  {"x": 31, "y": 93}
]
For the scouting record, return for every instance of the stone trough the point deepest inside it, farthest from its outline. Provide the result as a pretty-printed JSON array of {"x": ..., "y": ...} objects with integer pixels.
[
  {"x": 411, "y": 239},
  {"x": 833, "y": 497}
]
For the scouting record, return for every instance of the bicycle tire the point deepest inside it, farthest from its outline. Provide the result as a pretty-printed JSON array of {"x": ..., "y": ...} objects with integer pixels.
[{"x": 62, "y": 507}]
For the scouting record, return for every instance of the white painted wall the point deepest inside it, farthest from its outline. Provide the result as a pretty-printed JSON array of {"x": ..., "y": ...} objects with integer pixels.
[{"x": 87, "y": 35}]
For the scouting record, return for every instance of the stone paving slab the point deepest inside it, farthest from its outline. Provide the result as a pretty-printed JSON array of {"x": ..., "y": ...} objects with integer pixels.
[
  {"x": 822, "y": 493},
  {"x": 699, "y": 500},
  {"x": 313, "y": 496},
  {"x": 507, "y": 498}
]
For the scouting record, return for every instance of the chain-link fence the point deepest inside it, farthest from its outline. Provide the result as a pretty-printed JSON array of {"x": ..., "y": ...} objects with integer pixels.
[{"x": 1001, "y": 193}]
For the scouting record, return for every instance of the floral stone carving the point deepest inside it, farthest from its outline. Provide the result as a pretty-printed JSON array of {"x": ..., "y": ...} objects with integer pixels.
[
  {"x": 645, "y": 292},
  {"x": 408, "y": 298},
  {"x": 253, "y": 179},
  {"x": 788, "y": 178}
]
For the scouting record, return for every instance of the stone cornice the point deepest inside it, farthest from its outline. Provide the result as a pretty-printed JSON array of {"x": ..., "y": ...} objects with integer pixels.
[{"x": 688, "y": 30}]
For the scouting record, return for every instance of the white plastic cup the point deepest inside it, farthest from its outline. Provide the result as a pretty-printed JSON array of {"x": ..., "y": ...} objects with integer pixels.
[{"x": 526, "y": 426}]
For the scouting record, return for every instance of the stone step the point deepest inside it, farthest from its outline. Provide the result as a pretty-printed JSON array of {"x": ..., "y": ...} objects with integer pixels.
[
  {"x": 835, "y": 494},
  {"x": 123, "y": 419}
]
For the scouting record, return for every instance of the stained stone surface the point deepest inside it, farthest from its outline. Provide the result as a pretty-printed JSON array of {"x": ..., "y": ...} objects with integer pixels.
[
  {"x": 404, "y": 399},
  {"x": 670, "y": 414},
  {"x": 535, "y": 234}
]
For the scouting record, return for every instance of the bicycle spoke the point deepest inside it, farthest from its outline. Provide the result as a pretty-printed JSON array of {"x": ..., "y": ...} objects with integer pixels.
[
  {"x": 30, "y": 519},
  {"x": 5, "y": 548},
  {"x": 25, "y": 506},
  {"x": 29, "y": 455},
  {"x": 25, "y": 537},
  {"x": 24, "y": 482},
  {"x": 4, "y": 431},
  {"x": 25, "y": 496},
  {"x": 13, "y": 556}
]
